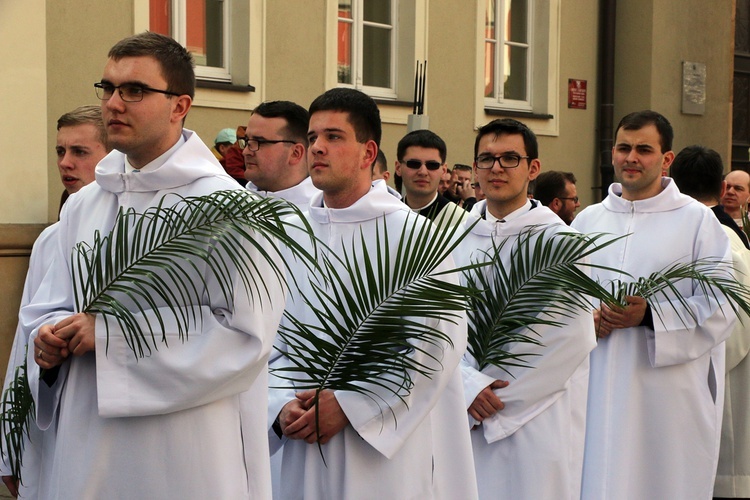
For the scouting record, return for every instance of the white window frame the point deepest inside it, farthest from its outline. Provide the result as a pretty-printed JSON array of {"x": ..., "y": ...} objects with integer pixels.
[
  {"x": 179, "y": 27},
  {"x": 357, "y": 28},
  {"x": 499, "y": 101}
]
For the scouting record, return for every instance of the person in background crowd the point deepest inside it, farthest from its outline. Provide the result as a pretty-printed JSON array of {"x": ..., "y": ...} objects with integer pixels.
[
  {"x": 736, "y": 195},
  {"x": 229, "y": 153},
  {"x": 557, "y": 191}
]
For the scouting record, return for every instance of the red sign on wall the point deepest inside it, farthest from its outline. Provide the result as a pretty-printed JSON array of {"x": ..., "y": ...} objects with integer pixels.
[{"x": 576, "y": 94}]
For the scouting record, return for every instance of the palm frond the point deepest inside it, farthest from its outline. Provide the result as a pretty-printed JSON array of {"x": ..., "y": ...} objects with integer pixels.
[
  {"x": 159, "y": 261},
  {"x": 540, "y": 282},
  {"x": 17, "y": 415},
  {"x": 710, "y": 277},
  {"x": 375, "y": 314}
]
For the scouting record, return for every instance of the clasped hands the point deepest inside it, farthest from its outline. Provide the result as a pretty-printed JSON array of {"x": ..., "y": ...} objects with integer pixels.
[
  {"x": 297, "y": 417},
  {"x": 609, "y": 318},
  {"x": 73, "y": 335}
]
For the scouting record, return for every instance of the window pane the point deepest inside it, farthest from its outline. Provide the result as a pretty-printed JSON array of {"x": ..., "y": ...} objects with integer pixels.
[
  {"x": 489, "y": 20},
  {"x": 489, "y": 69},
  {"x": 205, "y": 31},
  {"x": 377, "y": 11},
  {"x": 515, "y": 73},
  {"x": 160, "y": 17},
  {"x": 345, "y": 52},
  {"x": 376, "y": 55},
  {"x": 518, "y": 19},
  {"x": 345, "y": 9}
]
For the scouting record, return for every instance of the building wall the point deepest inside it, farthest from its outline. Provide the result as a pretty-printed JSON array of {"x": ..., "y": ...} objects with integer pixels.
[
  {"x": 653, "y": 39},
  {"x": 23, "y": 170}
]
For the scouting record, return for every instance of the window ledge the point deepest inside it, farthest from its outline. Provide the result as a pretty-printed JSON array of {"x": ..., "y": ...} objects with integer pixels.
[
  {"x": 518, "y": 114},
  {"x": 391, "y": 102},
  {"x": 206, "y": 84}
]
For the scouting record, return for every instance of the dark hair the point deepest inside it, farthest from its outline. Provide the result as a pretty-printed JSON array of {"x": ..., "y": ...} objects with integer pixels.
[
  {"x": 296, "y": 117},
  {"x": 85, "y": 115},
  {"x": 639, "y": 119},
  {"x": 550, "y": 185},
  {"x": 461, "y": 166},
  {"x": 380, "y": 162},
  {"x": 364, "y": 114},
  {"x": 698, "y": 172},
  {"x": 509, "y": 126},
  {"x": 423, "y": 139},
  {"x": 176, "y": 62}
]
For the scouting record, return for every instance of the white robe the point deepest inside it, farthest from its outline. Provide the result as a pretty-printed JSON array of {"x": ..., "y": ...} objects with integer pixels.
[
  {"x": 298, "y": 195},
  {"x": 372, "y": 457},
  {"x": 733, "y": 474},
  {"x": 40, "y": 444},
  {"x": 168, "y": 425},
  {"x": 655, "y": 395},
  {"x": 533, "y": 447}
]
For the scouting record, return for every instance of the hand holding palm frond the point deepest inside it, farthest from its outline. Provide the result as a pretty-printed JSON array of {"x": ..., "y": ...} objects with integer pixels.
[
  {"x": 376, "y": 314},
  {"x": 533, "y": 279},
  {"x": 711, "y": 277},
  {"x": 159, "y": 261}
]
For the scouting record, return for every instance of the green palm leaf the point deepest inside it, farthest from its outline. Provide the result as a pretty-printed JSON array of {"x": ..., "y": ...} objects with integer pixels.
[
  {"x": 17, "y": 415},
  {"x": 710, "y": 277},
  {"x": 376, "y": 314},
  {"x": 158, "y": 261},
  {"x": 542, "y": 282}
]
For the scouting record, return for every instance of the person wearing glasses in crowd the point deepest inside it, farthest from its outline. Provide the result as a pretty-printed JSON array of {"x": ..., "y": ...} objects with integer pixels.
[
  {"x": 275, "y": 150},
  {"x": 168, "y": 425},
  {"x": 528, "y": 433},
  {"x": 557, "y": 191},
  {"x": 421, "y": 164}
]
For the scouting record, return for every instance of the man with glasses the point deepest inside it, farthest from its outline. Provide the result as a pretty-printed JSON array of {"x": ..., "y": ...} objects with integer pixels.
[
  {"x": 421, "y": 164},
  {"x": 170, "y": 424},
  {"x": 275, "y": 151},
  {"x": 557, "y": 191},
  {"x": 528, "y": 434}
]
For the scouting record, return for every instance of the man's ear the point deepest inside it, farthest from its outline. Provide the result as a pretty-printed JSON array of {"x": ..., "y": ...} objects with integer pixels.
[
  {"x": 397, "y": 167},
  {"x": 535, "y": 167},
  {"x": 723, "y": 190},
  {"x": 386, "y": 175},
  {"x": 371, "y": 152},
  {"x": 181, "y": 107},
  {"x": 297, "y": 153},
  {"x": 668, "y": 159}
]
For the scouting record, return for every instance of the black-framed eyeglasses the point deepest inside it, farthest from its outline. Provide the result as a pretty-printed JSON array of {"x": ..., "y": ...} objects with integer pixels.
[
  {"x": 129, "y": 92},
  {"x": 574, "y": 198},
  {"x": 255, "y": 144},
  {"x": 417, "y": 164},
  {"x": 486, "y": 162}
]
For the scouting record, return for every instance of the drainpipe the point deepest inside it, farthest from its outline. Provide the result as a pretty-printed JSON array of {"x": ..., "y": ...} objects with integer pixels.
[{"x": 606, "y": 92}]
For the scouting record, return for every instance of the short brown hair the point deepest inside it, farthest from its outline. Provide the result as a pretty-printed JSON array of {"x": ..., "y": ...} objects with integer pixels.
[
  {"x": 85, "y": 115},
  {"x": 175, "y": 61}
]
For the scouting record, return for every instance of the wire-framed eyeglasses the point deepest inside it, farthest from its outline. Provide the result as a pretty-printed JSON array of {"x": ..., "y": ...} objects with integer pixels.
[
  {"x": 255, "y": 144},
  {"x": 486, "y": 162},
  {"x": 129, "y": 92}
]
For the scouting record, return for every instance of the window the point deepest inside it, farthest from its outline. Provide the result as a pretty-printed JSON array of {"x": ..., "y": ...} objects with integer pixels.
[
  {"x": 366, "y": 45},
  {"x": 201, "y": 26},
  {"x": 508, "y": 54}
]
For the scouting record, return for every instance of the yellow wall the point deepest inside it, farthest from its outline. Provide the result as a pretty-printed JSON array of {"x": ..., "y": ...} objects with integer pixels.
[
  {"x": 649, "y": 55},
  {"x": 23, "y": 87}
]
